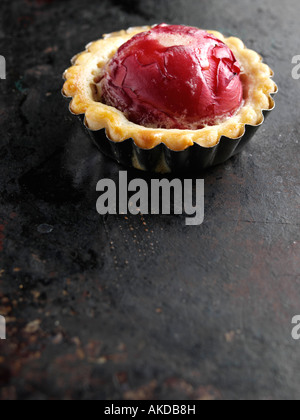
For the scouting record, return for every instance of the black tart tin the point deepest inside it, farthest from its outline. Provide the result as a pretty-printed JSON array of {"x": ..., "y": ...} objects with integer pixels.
[{"x": 161, "y": 159}]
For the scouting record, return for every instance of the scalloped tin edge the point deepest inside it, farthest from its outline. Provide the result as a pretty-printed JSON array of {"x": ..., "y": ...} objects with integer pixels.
[{"x": 163, "y": 160}]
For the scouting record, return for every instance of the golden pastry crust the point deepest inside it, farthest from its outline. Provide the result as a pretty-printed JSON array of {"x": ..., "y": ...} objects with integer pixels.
[{"x": 81, "y": 85}]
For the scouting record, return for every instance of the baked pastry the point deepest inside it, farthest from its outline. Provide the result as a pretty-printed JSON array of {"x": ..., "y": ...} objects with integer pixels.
[{"x": 169, "y": 97}]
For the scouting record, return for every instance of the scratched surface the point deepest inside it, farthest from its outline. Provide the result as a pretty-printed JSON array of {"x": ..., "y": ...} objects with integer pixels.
[{"x": 143, "y": 307}]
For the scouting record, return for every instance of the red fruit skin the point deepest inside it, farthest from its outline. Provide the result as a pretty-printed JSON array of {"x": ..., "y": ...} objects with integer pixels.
[{"x": 173, "y": 77}]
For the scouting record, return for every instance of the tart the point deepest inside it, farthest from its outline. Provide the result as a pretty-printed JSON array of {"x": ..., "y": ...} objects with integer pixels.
[{"x": 169, "y": 97}]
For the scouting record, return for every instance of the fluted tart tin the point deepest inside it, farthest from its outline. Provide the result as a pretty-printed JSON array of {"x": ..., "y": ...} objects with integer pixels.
[{"x": 161, "y": 159}]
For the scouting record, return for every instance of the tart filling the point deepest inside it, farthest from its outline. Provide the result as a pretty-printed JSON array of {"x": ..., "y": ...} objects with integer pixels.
[
  {"x": 173, "y": 77},
  {"x": 169, "y": 84}
]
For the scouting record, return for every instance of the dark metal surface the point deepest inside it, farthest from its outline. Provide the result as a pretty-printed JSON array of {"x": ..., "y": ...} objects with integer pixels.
[{"x": 143, "y": 307}]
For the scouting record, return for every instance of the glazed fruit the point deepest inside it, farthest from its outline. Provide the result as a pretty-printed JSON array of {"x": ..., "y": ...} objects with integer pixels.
[{"x": 173, "y": 77}]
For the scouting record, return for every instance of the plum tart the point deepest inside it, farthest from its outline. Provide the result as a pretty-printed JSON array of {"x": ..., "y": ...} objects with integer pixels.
[{"x": 169, "y": 97}]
